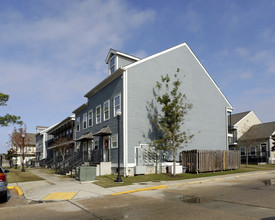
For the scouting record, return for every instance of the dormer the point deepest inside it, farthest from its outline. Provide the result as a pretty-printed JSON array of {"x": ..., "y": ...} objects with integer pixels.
[{"x": 116, "y": 59}]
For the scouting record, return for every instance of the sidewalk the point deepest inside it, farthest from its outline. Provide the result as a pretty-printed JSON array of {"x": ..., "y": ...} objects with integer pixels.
[{"x": 56, "y": 188}]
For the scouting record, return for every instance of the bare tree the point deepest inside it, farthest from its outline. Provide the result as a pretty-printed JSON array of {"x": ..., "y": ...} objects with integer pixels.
[
  {"x": 248, "y": 139},
  {"x": 62, "y": 144}
]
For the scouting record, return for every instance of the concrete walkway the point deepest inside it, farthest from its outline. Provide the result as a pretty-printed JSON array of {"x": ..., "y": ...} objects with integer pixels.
[{"x": 55, "y": 187}]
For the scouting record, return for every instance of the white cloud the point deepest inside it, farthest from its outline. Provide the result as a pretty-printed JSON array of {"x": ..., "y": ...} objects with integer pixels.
[
  {"x": 268, "y": 35},
  {"x": 65, "y": 48},
  {"x": 50, "y": 58},
  {"x": 241, "y": 51},
  {"x": 191, "y": 20}
]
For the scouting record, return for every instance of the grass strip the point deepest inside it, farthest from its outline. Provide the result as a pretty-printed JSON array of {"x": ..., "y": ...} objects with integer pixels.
[
  {"x": 16, "y": 176},
  {"x": 109, "y": 180}
]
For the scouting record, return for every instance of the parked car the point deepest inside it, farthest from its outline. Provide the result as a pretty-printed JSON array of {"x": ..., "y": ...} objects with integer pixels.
[{"x": 3, "y": 185}]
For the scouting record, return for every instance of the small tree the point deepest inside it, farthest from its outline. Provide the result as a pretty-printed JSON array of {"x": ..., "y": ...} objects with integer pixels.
[
  {"x": 9, "y": 156},
  {"x": 7, "y": 119},
  {"x": 170, "y": 119},
  {"x": 248, "y": 139},
  {"x": 62, "y": 144}
]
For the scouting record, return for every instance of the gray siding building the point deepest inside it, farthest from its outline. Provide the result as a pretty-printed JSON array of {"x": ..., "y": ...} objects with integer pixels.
[{"x": 130, "y": 88}]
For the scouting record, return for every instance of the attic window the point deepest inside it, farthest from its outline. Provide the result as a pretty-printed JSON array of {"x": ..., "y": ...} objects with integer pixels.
[{"x": 112, "y": 64}]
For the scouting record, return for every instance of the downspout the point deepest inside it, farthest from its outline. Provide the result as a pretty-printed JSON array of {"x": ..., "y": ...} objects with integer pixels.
[{"x": 125, "y": 124}]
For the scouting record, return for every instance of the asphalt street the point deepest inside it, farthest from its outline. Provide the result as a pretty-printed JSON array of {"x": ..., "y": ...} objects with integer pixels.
[{"x": 250, "y": 196}]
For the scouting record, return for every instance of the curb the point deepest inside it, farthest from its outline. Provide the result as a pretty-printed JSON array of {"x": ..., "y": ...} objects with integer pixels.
[
  {"x": 17, "y": 189},
  {"x": 221, "y": 178},
  {"x": 139, "y": 190}
]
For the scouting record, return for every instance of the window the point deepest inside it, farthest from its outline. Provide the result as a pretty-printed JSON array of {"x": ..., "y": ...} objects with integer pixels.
[
  {"x": 106, "y": 107},
  {"x": 96, "y": 145},
  {"x": 243, "y": 151},
  {"x": 114, "y": 141},
  {"x": 90, "y": 118},
  {"x": 112, "y": 64},
  {"x": 84, "y": 120},
  {"x": 116, "y": 104},
  {"x": 98, "y": 114},
  {"x": 252, "y": 151},
  {"x": 78, "y": 124}
]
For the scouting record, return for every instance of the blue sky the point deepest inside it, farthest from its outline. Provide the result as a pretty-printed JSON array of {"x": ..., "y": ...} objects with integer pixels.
[{"x": 53, "y": 52}]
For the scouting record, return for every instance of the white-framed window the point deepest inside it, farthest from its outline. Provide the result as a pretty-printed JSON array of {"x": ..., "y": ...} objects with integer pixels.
[
  {"x": 96, "y": 145},
  {"x": 114, "y": 141},
  {"x": 84, "y": 120},
  {"x": 112, "y": 64},
  {"x": 106, "y": 109},
  {"x": 117, "y": 103},
  {"x": 90, "y": 118},
  {"x": 78, "y": 124},
  {"x": 98, "y": 114}
]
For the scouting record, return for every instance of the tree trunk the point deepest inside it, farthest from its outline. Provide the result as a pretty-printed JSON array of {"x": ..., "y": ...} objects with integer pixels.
[
  {"x": 174, "y": 161},
  {"x": 247, "y": 156}
]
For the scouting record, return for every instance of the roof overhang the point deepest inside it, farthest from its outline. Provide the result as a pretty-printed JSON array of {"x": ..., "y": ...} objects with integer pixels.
[
  {"x": 105, "y": 82},
  {"x": 115, "y": 52},
  {"x": 70, "y": 118},
  {"x": 68, "y": 143},
  {"x": 86, "y": 137},
  {"x": 80, "y": 108},
  {"x": 106, "y": 131}
]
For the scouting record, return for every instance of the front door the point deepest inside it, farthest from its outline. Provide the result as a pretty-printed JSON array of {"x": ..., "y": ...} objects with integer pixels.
[{"x": 106, "y": 147}]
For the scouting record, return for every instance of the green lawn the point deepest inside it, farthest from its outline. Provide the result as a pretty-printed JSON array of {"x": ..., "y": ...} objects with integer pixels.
[
  {"x": 108, "y": 180},
  {"x": 16, "y": 176}
]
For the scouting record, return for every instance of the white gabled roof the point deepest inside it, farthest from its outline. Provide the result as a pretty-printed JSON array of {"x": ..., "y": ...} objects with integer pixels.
[
  {"x": 174, "y": 48},
  {"x": 112, "y": 51}
]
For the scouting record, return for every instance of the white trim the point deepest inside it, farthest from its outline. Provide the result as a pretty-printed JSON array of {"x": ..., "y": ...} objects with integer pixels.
[
  {"x": 209, "y": 76},
  {"x": 109, "y": 112},
  {"x": 171, "y": 49},
  {"x": 112, "y": 51},
  {"x": 154, "y": 56},
  {"x": 125, "y": 121},
  {"x": 96, "y": 114},
  {"x": 131, "y": 165},
  {"x": 114, "y": 135}
]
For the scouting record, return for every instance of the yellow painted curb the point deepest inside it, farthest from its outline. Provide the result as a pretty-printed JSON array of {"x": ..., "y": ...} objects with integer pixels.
[
  {"x": 139, "y": 190},
  {"x": 18, "y": 190},
  {"x": 60, "y": 196}
]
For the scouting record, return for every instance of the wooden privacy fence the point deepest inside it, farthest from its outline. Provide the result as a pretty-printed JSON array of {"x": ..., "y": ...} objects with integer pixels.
[{"x": 198, "y": 161}]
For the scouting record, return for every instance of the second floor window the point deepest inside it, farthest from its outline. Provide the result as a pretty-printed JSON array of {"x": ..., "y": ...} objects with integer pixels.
[
  {"x": 106, "y": 110},
  {"x": 116, "y": 104},
  {"x": 90, "y": 118},
  {"x": 98, "y": 114},
  {"x": 78, "y": 124},
  {"x": 85, "y": 121}
]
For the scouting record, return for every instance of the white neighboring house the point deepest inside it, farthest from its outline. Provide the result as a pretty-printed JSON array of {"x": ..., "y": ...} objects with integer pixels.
[
  {"x": 29, "y": 150},
  {"x": 41, "y": 142}
]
